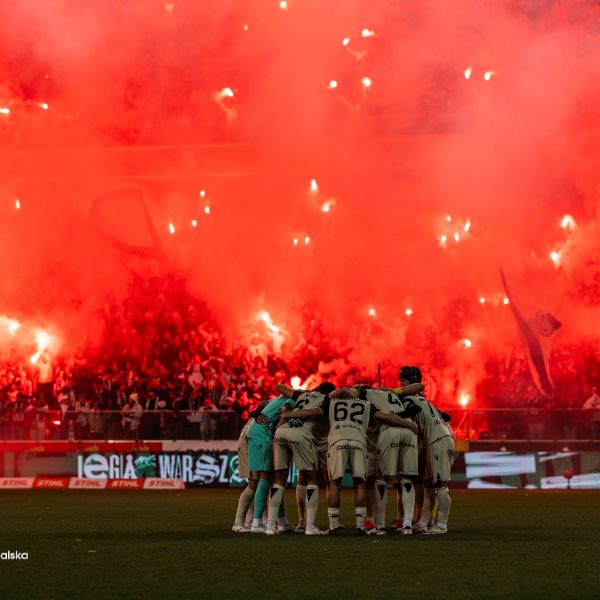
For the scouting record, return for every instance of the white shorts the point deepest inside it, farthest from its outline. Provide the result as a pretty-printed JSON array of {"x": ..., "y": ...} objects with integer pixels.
[
  {"x": 398, "y": 454},
  {"x": 297, "y": 442},
  {"x": 440, "y": 456},
  {"x": 347, "y": 453}
]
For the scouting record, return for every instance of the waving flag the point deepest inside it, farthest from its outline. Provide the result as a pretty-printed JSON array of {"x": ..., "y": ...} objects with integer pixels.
[
  {"x": 537, "y": 327},
  {"x": 122, "y": 218}
]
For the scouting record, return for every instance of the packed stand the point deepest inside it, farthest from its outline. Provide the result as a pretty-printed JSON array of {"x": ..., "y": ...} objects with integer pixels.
[{"x": 165, "y": 370}]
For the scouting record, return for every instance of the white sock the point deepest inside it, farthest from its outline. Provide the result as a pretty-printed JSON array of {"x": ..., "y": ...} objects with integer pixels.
[
  {"x": 301, "y": 503},
  {"x": 408, "y": 501},
  {"x": 334, "y": 517},
  {"x": 444, "y": 503},
  {"x": 246, "y": 498},
  {"x": 428, "y": 505},
  {"x": 360, "y": 512},
  {"x": 250, "y": 513},
  {"x": 312, "y": 504},
  {"x": 275, "y": 499},
  {"x": 256, "y": 522},
  {"x": 380, "y": 503}
]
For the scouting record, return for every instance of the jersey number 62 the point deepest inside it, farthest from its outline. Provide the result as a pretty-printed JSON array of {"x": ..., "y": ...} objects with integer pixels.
[{"x": 341, "y": 410}]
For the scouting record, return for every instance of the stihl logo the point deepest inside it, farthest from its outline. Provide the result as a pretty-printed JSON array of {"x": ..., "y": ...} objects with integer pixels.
[
  {"x": 50, "y": 483},
  {"x": 88, "y": 483},
  {"x": 24, "y": 483},
  {"x": 124, "y": 484},
  {"x": 162, "y": 484}
]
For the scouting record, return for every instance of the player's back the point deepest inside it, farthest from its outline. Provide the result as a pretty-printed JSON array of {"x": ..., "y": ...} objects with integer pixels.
[
  {"x": 349, "y": 419},
  {"x": 385, "y": 401},
  {"x": 430, "y": 420},
  {"x": 306, "y": 401},
  {"x": 272, "y": 411}
]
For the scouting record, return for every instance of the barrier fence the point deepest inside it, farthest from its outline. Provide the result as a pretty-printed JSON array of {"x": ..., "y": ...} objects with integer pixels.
[
  {"x": 468, "y": 424},
  {"x": 123, "y": 465}
]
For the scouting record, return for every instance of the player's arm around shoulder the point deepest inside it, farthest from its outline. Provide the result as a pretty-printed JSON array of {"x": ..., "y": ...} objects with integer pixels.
[
  {"x": 284, "y": 390},
  {"x": 409, "y": 390},
  {"x": 396, "y": 421},
  {"x": 305, "y": 413},
  {"x": 286, "y": 407}
]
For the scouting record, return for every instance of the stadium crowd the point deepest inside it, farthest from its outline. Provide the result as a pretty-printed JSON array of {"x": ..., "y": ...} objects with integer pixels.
[{"x": 164, "y": 369}]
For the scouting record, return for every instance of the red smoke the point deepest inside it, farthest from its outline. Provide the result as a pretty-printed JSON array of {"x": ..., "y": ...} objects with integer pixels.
[{"x": 132, "y": 94}]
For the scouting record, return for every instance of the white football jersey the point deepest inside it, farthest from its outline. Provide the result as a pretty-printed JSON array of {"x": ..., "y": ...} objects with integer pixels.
[{"x": 430, "y": 420}]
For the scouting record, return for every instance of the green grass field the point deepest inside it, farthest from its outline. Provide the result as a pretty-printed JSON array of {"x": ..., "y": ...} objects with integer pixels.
[{"x": 179, "y": 545}]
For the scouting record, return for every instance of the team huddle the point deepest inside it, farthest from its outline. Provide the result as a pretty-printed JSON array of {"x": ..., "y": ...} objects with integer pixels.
[{"x": 383, "y": 437}]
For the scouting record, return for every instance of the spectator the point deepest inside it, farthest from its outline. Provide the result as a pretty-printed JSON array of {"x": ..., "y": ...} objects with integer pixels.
[
  {"x": 45, "y": 380},
  {"x": 209, "y": 422},
  {"x": 593, "y": 402},
  {"x": 96, "y": 420},
  {"x": 132, "y": 416},
  {"x": 41, "y": 418},
  {"x": 80, "y": 421}
]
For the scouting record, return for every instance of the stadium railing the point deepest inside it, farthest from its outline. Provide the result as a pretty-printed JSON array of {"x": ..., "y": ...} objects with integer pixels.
[
  {"x": 526, "y": 424},
  {"x": 120, "y": 425},
  {"x": 485, "y": 424}
]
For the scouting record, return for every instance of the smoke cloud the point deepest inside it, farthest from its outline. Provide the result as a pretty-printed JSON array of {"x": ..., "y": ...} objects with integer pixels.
[{"x": 445, "y": 139}]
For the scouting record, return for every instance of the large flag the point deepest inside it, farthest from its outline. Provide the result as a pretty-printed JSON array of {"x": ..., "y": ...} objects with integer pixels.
[
  {"x": 537, "y": 328},
  {"x": 122, "y": 218}
]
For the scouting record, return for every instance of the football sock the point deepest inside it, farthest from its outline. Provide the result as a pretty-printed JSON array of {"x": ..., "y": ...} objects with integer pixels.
[
  {"x": 312, "y": 503},
  {"x": 275, "y": 502},
  {"x": 301, "y": 502},
  {"x": 361, "y": 513},
  {"x": 380, "y": 503},
  {"x": 408, "y": 501},
  {"x": 444, "y": 503},
  {"x": 260, "y": 499},
  {"x": 428, "y": 504},
  {"x": 334, "y": 517},
  {"x": 246, "y": 498},
  {"x": 250, "y": 512}
]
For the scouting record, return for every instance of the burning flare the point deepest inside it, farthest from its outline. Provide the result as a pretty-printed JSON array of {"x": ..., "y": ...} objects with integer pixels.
[{"x": 568, "y": 222}]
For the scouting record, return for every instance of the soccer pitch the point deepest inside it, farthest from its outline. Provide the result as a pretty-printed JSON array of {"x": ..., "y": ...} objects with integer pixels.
[{"x": 180, "y": 545}]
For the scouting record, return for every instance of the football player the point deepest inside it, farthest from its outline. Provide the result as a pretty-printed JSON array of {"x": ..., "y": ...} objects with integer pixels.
[
  {"x": 260, "y": 457},
  {"x": 294, "y": 437},
  {"x": 439, "y": 443},
  {"x": 247, "y": 496},
  {"x": 376, "y": 486},
  {"x": 396, "y": 447},
  {"x": 349, "y": 417}
]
